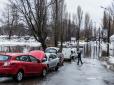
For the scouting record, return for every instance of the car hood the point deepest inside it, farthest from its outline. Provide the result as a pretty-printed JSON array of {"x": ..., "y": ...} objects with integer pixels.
[{"x": 38, "y": 54}]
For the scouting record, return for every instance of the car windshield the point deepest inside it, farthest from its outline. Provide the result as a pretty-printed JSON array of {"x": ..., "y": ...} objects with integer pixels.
[
  {"x": 4, "y": 58},
  {"x": 50, "y": 50}
]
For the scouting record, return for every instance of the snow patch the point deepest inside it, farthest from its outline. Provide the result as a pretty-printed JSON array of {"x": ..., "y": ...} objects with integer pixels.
[{"x": 111, "y": 60}]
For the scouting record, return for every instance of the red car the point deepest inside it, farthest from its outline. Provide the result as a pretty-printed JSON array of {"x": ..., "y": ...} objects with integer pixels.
[
  {"x": 38, "y": 54},
  {"x": 19, "y": 65}
]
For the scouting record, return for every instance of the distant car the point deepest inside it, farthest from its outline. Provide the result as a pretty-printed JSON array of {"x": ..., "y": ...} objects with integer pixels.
[
  {"x": 52, "y": 61},
  {"x": 69, "y": 53},
  {"x": 19, "y": 65},
  {"x": 56, "y": 51}
]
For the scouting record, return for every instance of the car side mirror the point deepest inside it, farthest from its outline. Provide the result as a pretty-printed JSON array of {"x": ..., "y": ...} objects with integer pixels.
[{"x": 38, "y": 61}]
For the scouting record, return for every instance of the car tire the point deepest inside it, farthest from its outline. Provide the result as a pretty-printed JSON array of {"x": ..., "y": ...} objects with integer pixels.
[
  {"x": 19, "y": 76},
  {"x": 70, "y": 59},
  {"x": 56, "y": 68},
  {"x": 44, "y": 72},
  {"x": 48, "y": 69}
]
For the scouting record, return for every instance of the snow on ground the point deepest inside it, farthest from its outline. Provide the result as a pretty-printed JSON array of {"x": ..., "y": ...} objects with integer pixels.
[
  {"x": 15, "y": 41},
  {"x": 73, "y": 43},
  {"x": 104, "y": 46},
  {"x": 111, "y": 60},
  {"x": 18, "y": 44},
  {"x": 22, "y": 43}
]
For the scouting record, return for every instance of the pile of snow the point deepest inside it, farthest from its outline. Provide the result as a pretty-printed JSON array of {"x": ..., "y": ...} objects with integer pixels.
[
  {"x": 111, "y": 60},
  {"x": 16, "y": 41},
  {"x": 34, "y": 44},
  {"x": 21, "y": 43},
  {"x": 112, "y": 38},
  {"x": 72, "y": 43},
  {"x": 82, "y": 43},
  {"x": 104, "y": 46}
]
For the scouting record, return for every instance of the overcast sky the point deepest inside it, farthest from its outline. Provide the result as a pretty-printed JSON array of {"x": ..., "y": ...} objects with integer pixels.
[{"x": 90, "y": 6}]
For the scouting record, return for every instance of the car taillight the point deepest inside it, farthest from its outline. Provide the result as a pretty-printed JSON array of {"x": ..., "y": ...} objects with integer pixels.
[{"x": 6, "y": 64}]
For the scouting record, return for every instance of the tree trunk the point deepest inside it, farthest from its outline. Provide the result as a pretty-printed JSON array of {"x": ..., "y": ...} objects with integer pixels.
[{"x": 44, "y": 46}]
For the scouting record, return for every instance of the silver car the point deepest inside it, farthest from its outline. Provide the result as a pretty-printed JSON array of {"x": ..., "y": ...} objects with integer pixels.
[
  {"x": 52, "y": 61},
  {"x": 59, "y": 54}
]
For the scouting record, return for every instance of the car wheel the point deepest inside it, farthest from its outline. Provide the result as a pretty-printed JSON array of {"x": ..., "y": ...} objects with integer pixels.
[
  {"x": 19, "y": 76},
  {"x": 48, "y": 68},
  {"x": 56, "y": 68},
  {"x": 70, "y": 59},
  {"x": 44, "y": 72},
  {"x": 62, "y": 63}
]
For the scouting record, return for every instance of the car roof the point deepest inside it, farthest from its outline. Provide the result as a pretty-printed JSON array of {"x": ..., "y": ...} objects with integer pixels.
[
  {"x": 56, "y": 48},
  {"x": 48, "y": 54},
  {"x": 13, "y": 54},
  {"x": 38, "y": 54}
]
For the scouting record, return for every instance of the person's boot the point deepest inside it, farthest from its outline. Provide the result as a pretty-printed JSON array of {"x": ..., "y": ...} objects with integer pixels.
[
  {"x": 78, "y": 63},
  {"x": 81, "y": 62}
]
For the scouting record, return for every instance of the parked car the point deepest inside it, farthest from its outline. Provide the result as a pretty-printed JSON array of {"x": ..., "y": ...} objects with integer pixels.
[
  {"x": 19, "y": 65},
  {"x": 56, "y": 51},
  {"x": 69, "y": 53},
  {"x": 37, "y": 53},
  {"x": 50, "y": 59}
]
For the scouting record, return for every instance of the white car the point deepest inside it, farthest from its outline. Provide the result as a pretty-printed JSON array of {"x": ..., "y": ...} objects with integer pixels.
[
  {"x": 52, "y": 61},
  {"x": 67, "y": 53}
]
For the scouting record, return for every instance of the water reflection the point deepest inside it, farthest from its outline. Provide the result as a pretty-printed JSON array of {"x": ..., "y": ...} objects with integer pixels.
[{"x": 92, "y": 50}]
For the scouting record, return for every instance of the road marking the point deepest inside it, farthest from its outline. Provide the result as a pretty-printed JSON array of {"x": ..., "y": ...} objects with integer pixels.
[{"x": 92, "y": 78}]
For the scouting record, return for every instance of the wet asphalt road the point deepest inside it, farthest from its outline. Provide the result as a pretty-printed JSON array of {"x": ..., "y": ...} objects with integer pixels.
[{"x": 90, "y": 73}]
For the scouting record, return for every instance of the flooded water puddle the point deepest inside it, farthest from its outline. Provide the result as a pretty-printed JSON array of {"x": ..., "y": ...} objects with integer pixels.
[{"x": 92, "y": 50}]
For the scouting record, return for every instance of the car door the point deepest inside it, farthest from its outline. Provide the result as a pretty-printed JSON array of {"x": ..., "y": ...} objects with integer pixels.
[
  {"x": 51, "y": 61},
  {"x": 36, "y": 65},
  {"x": 55, "y": 60},
  {"x": 25, "y": 63}
]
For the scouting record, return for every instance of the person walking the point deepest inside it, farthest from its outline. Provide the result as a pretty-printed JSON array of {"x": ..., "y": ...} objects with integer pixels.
[{"x": 79, "y": 58}]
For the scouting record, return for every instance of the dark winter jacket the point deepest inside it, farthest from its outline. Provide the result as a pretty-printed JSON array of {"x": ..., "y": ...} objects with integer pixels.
[{"x": 79, "y": 55}]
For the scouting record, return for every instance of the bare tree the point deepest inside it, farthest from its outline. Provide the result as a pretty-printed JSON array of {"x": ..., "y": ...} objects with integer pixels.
[
  {"x": 107, "y": 25},
  {"x": 88, "y": 27},
  {"x": 57, "y": 15},
  {"x": 55, "y": 21},
  {"x": 34, "y": 13},
  {"x": 79, "y": 23},
  {"x": 10, "y": 20},
  {"x": 62, "y": 15}
]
